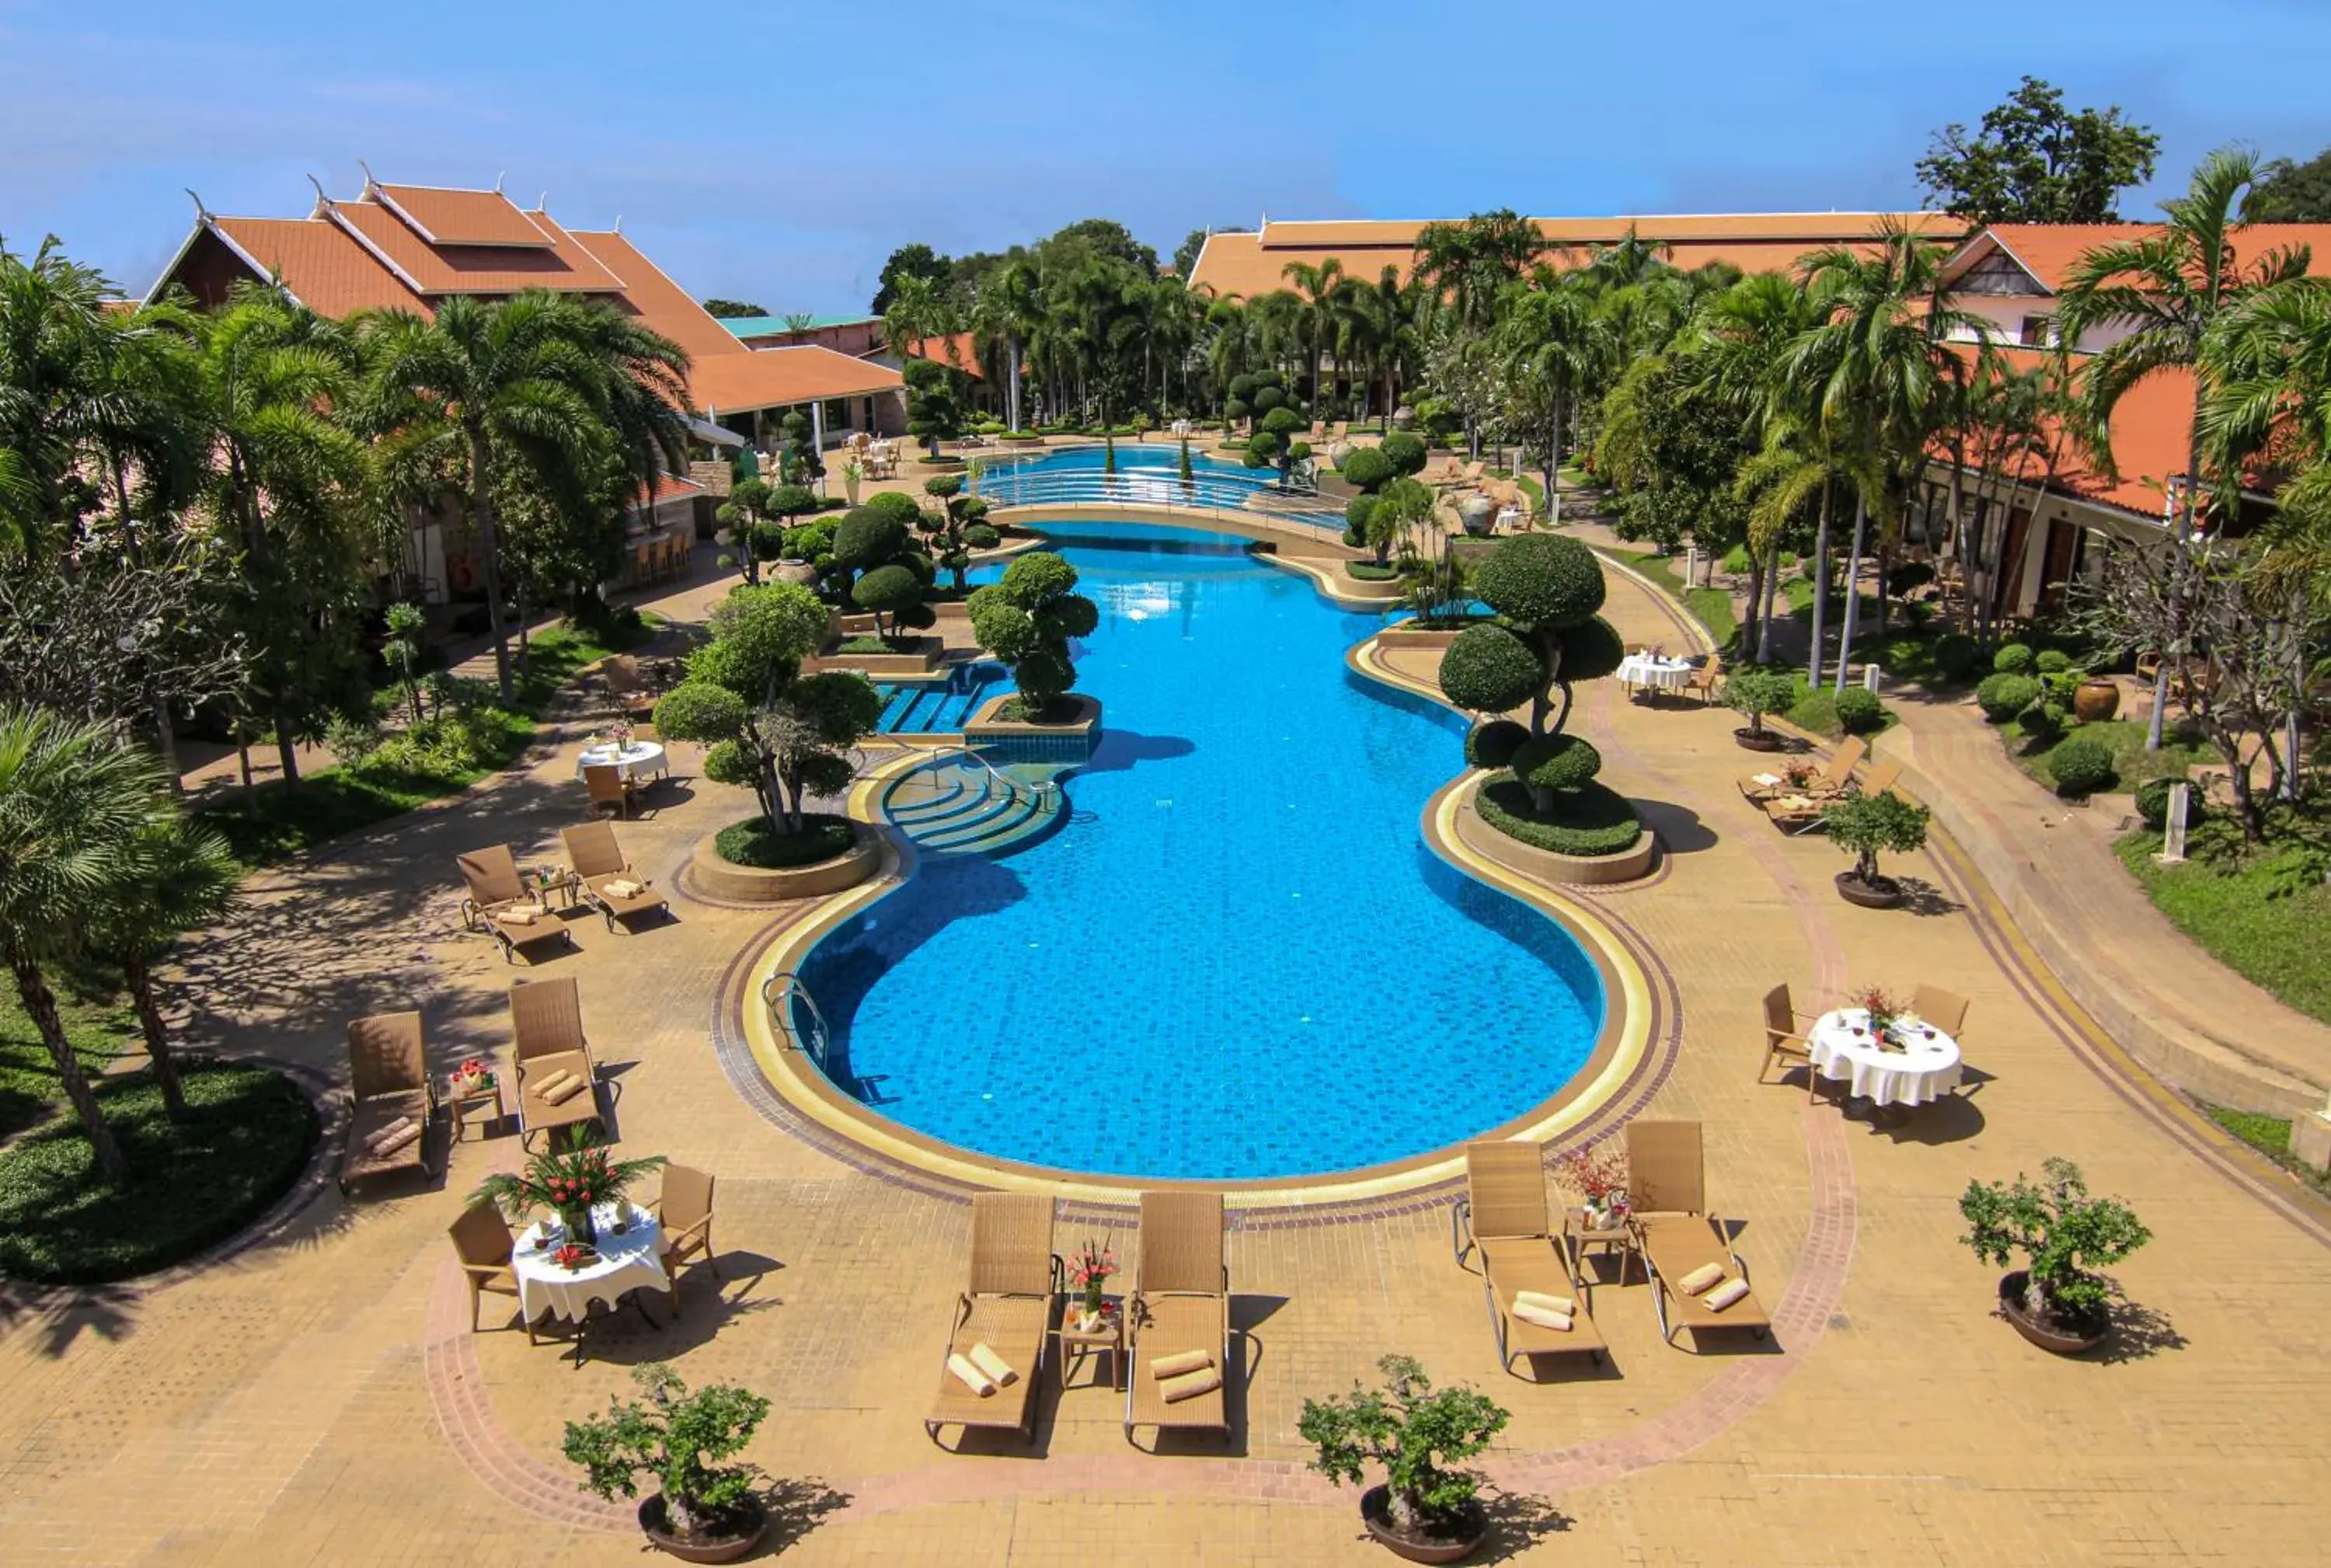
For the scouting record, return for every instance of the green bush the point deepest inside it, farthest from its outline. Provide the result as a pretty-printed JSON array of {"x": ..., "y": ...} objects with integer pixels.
[
  {"x": 2082, "y": 766},
  {"x": 752, "y": 843},
  {"x": 2052, "y": 661},
  {"x": 2045, "y": 720},
  {"x": 1356, "y": 513},
  {"x": 1488, "y": 669},
  {"x": 1736, "y": 559},
  {"x": 870, "y": 535},
  {"x": 1758, "y": 690},
  {"x": 982, "y": 536},
  {"x": 248, "y": 1134},
  {"x": 2004, "y": 695},
  {"x": 1539, "y": 578},
  {"x": 1858, "y": 711},
  {"x": 1492, "y": 743},
  {"x": 2152, "y": 803},
  {"x": 1369, "y": 572},
  {"x": 1404, "y": 451},
  {"x": 2012, "y": 659},
  {"x": 1953, "y": 655},
  {"x": 1592, "y": 819},
  {"x": 1557, "y": 761},
  {"x": 1368, "y": 469}
]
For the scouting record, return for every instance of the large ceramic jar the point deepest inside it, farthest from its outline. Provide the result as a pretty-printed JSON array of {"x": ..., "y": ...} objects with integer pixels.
[
  {"x": 794, "y": 572},
  {"x": 1479, "y": 514},
  {"x": 2096, "y": 699}
]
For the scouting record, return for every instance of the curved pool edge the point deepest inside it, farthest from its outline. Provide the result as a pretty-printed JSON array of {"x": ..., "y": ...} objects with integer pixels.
[{"x": 1622, "y": 1056}]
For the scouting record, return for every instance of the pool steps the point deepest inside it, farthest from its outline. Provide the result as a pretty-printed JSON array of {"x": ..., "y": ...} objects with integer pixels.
[{"x": 959, "y": 803}]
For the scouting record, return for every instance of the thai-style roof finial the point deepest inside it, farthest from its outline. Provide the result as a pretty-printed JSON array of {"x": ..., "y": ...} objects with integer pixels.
[
  {"x": 323, "y": 202},
  {"x": 202, "y": 212},
  {"x": 370, "y": 182},
  {"x": 498, "y": 181},
  {"x": 542, "y": 202}
]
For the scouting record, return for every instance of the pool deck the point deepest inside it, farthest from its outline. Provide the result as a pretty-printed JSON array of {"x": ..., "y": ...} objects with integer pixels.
[{"x": 317, "y": 1397}]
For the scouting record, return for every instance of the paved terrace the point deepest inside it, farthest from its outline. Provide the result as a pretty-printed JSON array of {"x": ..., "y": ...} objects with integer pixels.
[{"x": 317, "y": 1396}]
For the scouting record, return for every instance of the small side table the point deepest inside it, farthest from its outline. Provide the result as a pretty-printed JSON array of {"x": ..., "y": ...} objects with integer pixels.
[
  {"x": 559, "y": 880},
  {"x": 1071, "y": 1342},
  {"x": 482, "y": 1106},
  {"x": 1580, "y": 1235}
]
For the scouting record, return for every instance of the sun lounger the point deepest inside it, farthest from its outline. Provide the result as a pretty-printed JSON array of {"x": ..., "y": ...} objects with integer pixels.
[
  {"x": 1007, "y": 1305},
  {"x": 546, "y": 1027},
  {"x": 499, "y": 905},
  {"x": 1667, "y": 1178},
  {"x": 596, "y": 858},
  {"x": 1504, "y": 1218},
  {"x": 388, "y": 1079},
  {"x": 1180, "y": 1304}
]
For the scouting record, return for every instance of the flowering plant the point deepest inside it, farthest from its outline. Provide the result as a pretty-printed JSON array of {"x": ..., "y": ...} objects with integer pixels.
[
  {"x": 574, "y": 1255},
  {"x": 1599, "y": 1178},
  {"x": 568, "y": 1179},
  {"x": 474, "y": 1074},
  {"x": 1884, "y": 1011},
  {"x": 621, "y": 732},
  {"x": 1089, "y": 1269}
]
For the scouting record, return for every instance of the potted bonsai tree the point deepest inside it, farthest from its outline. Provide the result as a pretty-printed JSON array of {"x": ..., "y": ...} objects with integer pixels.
[
  {"x": 1865, "y": 825},
  {"x": 705, "y": 1510},
  {"x": 1425, "y": 1512},
  {"x": 2057, "y": 1300},
  {"x": 1756, "y": 691}
]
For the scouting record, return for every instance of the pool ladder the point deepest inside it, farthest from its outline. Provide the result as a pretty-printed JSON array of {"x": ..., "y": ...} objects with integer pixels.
[{"x": 778, "y": 993}]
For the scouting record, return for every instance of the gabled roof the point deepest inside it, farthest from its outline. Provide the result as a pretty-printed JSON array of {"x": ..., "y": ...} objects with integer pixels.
[
  {"x": 451, "y": 217},
  {"x": 430, "y": 269},
  {"x": 775, "y": 377},
  {"x": 659, "y": 302},
  {"x": 324, "y": 267},
  {"x": 2048, "y": 253}
]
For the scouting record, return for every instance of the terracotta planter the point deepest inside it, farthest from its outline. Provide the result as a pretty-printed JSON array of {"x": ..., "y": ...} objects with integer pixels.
[
  {"x": 1760, "y": 739},
  {"x": 719, "y": 1550},
  {"x": 2096, "y": 699},
  {"x": 794, "y": 571},
  {"x": 1884, "y": 893},
  {"x": 2047, "y": 1337},
  {"x": 1479, "y": 514},
  {"x": 1375, "y": 1513}
]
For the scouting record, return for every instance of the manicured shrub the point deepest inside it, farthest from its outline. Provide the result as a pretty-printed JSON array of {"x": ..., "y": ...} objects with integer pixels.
[
  {"x": 2004, "y": 695},
  {"x": 1404, "y": 451},
  {"x": 887, "y": 591},
  {"x": 1758, "y": 690},
  {"x": 2012, "y": 659},
  {"x": 1858, "y": 711},
  {"x": 869, "y": 538},
  {"x": 1028, "y": 620},
  {"x": 2082, "y": 766},
  {"x": 2052, "y": 661},
  {"x": 1556, "y": 762},
  {"x": 1488, "y": 669},
  {"x": 1266, "y": 399},
  {"x": 2152, "y": 803},
  {"x": 1592, "y": 819},
  {"x": 1591, "y": 650},
  {"x": 1368, "y": 469},
  {"x": 895, "y": 505},
  {"x": 1953, "y": 655},
  {"x": 2045, "y": 720},
  {"x": 751, "y": 843},
  {"x": 1736, "y": 559},
  {"x": 1862, "y": 825},
  {"x": 1539, "y": 579},
  {"x": 1492, "y": 743},
  {"x": 982, "y": 536}
]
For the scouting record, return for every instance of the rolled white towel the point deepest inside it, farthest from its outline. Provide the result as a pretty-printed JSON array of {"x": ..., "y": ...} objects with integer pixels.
[
  {"x": 1190, "y": 1384},
  {"x": 381, "y": 1142},
  {"x": 1726, "y": 1294},
  {"x": 970, "y": 1376},
  {"x": 1165, "y": 1366},
  {"x": 567, "y": 1090},
  {"x": 1530, "y": 1312},
  {"x": 1544, "y": 1303},
  {"x": 1701, "y": 1278},
  {"x": 409, "y": 1133},
  {"x": 985, "y": 1359}
]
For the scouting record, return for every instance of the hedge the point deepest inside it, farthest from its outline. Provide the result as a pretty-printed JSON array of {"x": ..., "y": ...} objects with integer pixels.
[
  {"x": 1595, "y": 820},
  {"x": 752, "y": 843}
]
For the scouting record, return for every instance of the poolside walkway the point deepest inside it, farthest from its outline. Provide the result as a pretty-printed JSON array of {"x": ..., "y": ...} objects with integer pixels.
[{"x": 319, "y": 1398}]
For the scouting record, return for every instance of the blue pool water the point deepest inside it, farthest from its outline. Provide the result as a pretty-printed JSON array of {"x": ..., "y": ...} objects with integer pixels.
[
  {"x": 1143, "y": 473},
  {"x": 1238, "y": 959}
]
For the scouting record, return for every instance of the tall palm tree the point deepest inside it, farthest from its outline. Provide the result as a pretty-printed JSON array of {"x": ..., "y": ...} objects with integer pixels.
[
  {"x": 1546, "y": 340},
  {"x": 528, "y": 375},
  {"x": 1469, "y": 262},
  {"x": 72, "y": 795},
  {"x": 175, "y": 878},
  {"x": 2164, "y": 292},
  {"x": 1314, "y": 287},
  {"x": 1004, "y": 310},
  {"x": 1382, "y": 314}
]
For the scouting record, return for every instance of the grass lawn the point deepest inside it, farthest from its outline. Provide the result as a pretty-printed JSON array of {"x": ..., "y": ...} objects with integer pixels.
[
  {"x": 2126, "y": 736},
  {"x": 1711, "y": 607},
  {"x": 246, "y": 1139},
  {"x": 99, "y": 1030},
  {"x": 1817, "y": 711},
  {"x": 2270, "y": 1136},
  {"x": 275, "y": 823},
  {"x": 2263, "y": 914}
]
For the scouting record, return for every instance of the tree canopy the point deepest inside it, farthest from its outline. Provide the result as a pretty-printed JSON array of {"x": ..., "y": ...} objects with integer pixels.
[
  {"x": 2292, "y": 193},
  {"x": 717, "y": 305},
  {"x": 2034, "y": 161}
]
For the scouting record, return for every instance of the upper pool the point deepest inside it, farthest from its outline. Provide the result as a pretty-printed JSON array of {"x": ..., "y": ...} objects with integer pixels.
[
  {"x": 1238, "y": 960},
  {"x": 1148, "y": 474}
]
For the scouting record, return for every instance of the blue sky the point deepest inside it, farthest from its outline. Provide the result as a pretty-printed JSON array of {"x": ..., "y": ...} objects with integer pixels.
[{"x": 778, "y": 152}]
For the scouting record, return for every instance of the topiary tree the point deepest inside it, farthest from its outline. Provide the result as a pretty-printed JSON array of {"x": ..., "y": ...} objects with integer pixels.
[
  {"x": 1858, "y": 711},
  {"x": 1356, "y": 512},
  {"x": 800, "y": 462},
  {"x": 869, "y": 536},
  {"x": 1412, "y": 1433},
  {"x": 770, "y": 729},
  {"x": 893, "y": 590},
  {"x": 1550, "y": 764},
  {"x": 2013, "y": 659},
  {"x": 1547, "y": 588},
  {"x": 944, "y": 530},
  {"x": 1027, "y": 620},
  {"x": 2082, "y": 766},
  {"x": 1493, "y": 743},
  {"x": 1239, "y": 405},
  {"x": 933, "y": 408},
  {"x": 1368, "y": 470},
  {"x": 681, "y": 1440},
  {"x": 2063, "y": 1234},
  {"x": 1757, "y": 690},
  {"x": 746, "y": 528},
  {"x": 1273, "y": 442},
  {"x": 1862, "y": 825},
  {"x": 1404, "y": 451}
]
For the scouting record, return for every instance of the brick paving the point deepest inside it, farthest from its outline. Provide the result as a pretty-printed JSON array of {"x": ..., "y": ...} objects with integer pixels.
[{"x": 316, "y": 1396}]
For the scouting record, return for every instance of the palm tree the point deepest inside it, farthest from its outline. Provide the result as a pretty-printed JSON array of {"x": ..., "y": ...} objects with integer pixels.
[
  {"x": 1382, "y": 314},
  {"x": 1314, "y": 287},
  {"x": 1006, "y": 307},
  {"x": 2165, "y": 292},
  {"x": 1546, "y": 340},
  {"x": 175, "y": 878},
  {"x": 533, "y": 375},
  {"x": 72, "y": 795},
  {"x": 1469, "y": 262}
]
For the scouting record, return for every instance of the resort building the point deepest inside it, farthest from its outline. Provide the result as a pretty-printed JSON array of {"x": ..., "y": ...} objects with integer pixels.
[{"x": 861, "y": 337}]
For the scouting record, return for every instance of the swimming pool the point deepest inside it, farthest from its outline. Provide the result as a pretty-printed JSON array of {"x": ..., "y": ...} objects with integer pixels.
[
  {"x": 1151, "y": 475},
  {"x": 1238, "y": 960}
]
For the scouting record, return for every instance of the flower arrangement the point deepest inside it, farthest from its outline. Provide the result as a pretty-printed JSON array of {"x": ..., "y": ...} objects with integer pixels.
[
  {"x": 473, "y": 1076},
  {"x": 567, "y": 1180},
  {"x": 574, "y": 1255},
  {"x": 620, "y": 732},
  {"x": 1601, "y": 1179},
  {"x": 1884, "y": 1011},
  {"x": 1089, "y": 1272}
]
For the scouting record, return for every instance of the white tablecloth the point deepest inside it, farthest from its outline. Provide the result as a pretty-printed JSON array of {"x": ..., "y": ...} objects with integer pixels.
[
  {"x": 626, "y": 1262},
  {"x": 1927, "y": 1070},
  {"x": 1649, "y": 670},
  {"x": 640, "y": 759}
]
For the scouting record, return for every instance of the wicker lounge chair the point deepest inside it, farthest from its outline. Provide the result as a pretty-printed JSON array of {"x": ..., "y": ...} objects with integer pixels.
[
  {"x": 1831, "y": 781},
  {"x": 1180, "y": 1303},
  {"x": 1794, "y": 813},
  {"x": 390, "y": 1082},
  {"x": 1881, "y": 776},
  {"x": 499, "y": 905},
  {"x": 598, "y": 860},
  {"x": 1007, "y": 1305},
  {"x": 484, "y": 1243},
  {"x": 609, "y": 786},
  {"x": 547, "y": 1024},
  {"x": 1667, "y": 1178},
  {"x": 1945, "y": 1009},
  {"x": 685, "y": 1213},
  {"x": 1503, "y": 1216}
]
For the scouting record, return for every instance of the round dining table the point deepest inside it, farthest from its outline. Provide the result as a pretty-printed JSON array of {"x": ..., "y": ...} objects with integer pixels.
[
  {"x": 1918, "y": 1063},
  {"x": 1654, "y": 672},
  {"x": 640, "y": 759},
  {"x": 632, "y": 1260}
]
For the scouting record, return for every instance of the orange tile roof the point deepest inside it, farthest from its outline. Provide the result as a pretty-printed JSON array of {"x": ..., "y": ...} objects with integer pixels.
[
  {"x": 449, "y": 217},
  {"x": 775, "y": 377},
  {"x": 668, "y": 488},
  {"x": 323, "y": 268},
  {"x": 956, "y": 351},
  {"x": 659, "y": 302},
  {"x": 2151, "y": 438},
  {"x": 2050, "y": 252},
  {"x": 1247, "y": 264},
  {"x": 473, "y": 269}
]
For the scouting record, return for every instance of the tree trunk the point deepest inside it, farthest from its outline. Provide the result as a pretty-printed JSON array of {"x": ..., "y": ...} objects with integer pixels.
[
  {"x": 166, "y": 739},
  {"x": 140, "y": 976},
  {"x": 1821, "y": 585},
  {"x": 1553, "y": 465},
  {"x": 40, "y": 1007},
  {"x": 1852, "y": 589},
  {"x": 2185, "y": 514},
  {"x": 481, "y": 517},
  {"x": 1752, "y": 632},
  {"x": 1012, "y": 376},
  {"x": 1764, "y": 619}
]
